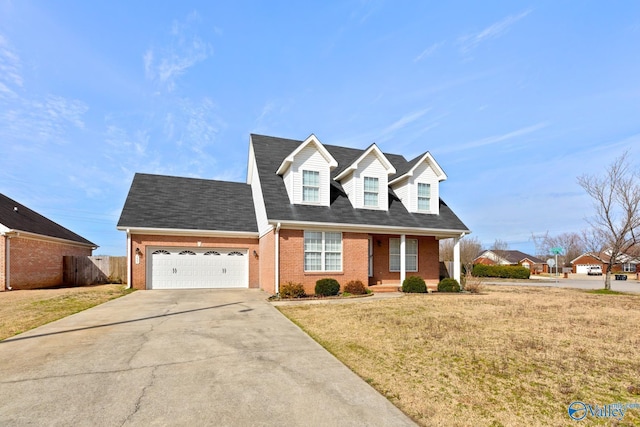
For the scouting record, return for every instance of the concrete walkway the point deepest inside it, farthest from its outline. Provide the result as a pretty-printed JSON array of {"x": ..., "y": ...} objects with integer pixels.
[{"x": 188, "y": 357}]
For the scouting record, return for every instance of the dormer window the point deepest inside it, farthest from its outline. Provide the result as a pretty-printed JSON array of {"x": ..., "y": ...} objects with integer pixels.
[
  {"x": 424, "y": 197},
  {"x": 370, "y": 192},
  {"x": 310, "y": 186}
]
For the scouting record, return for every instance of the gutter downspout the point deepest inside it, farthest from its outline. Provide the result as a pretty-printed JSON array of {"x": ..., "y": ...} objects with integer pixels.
[
  {"x": 128, "y": 259},
  {"x": 277, "y": 275}
]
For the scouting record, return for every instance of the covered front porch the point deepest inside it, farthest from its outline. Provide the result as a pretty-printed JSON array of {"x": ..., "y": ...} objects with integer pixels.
[{"x": 393, "y": 257}]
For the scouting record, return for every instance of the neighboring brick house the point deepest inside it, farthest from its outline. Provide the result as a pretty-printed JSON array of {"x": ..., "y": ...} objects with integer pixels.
[
  {"x": 32, "y": 247},
  {"x": 510, "y": 257},
  {"x": 307, "y": 211},
  {"x": 624, "y": 263}
]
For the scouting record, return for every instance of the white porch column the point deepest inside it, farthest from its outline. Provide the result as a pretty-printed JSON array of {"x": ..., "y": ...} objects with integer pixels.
[
  {"x": 456, "y": 259},
  {"x": 403, "y": 257}
]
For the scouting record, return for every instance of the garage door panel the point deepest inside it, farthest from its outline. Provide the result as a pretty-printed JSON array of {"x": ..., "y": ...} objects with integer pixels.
[{"x": 180, "y": 268}]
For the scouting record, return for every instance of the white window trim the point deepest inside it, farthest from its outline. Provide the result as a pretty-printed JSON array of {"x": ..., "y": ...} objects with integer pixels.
[
  {"x": 418, "y": 197},
  {"x": 311, "y": 202},
  {"x": 406, "y": 256},
  {"x": 323, "y": 252},
  {"x": 364, "y": 192}
]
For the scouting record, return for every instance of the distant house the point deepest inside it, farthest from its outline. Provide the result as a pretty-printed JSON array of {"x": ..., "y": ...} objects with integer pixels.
[
  {"x": 625, "y": 263},
  {"x": 508, "y": 257},
  {"x": 32, "y": 247},
  {"x": 307, "y": 211}
]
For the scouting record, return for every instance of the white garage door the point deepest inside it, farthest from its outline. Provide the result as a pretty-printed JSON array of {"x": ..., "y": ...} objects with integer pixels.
[
  {"x": 190, "y": 268},
  {"x": 584, "y": 268}
]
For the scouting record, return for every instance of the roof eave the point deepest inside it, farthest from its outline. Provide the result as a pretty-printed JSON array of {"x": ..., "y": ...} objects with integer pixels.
[
  {"x": 312, "y": 139},
  {"x": 377, "y": 229},
  {"x": 354, "y": 166},
  {"x": 36, "y": 236},
  {"x": 187, "y": 232}
]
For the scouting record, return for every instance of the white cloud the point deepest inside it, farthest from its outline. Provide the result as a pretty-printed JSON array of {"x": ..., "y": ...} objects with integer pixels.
[
  {"x": 404, "y": 121},
  {"x": 428, "y": 51},
  {"x": 183, "y": 51},
  {"x": 496, "y": 138},
  {"x": 10, "y": 64},
  {"x": 43, "y": 120},
  {"x": 471, "y": 41}
]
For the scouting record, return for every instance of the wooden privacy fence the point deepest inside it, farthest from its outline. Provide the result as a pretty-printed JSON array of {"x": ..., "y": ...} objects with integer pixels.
[{"x": 92, "y": 270}]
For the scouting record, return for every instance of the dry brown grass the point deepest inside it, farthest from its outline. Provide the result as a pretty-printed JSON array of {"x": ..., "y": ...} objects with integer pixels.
[
  {"x": 512, "y": 356},
  {"x": 24, "y": 310}
]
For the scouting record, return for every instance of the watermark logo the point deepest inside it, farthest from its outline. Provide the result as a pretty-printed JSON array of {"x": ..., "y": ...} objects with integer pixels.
[{"x": 579, "y": 410}]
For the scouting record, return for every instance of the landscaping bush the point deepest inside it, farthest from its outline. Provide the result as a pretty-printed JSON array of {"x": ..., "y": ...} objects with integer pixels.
[
  {"x": 472, "y": 284},
  {"x": 502, "y": 271},
  {"x": 292, "y": 290},
  {"x": 327, "y": 287},
  {"x": 355, "y": 287},
  {"x": 448, "y": 285},
  {"x": 414, "y": 285}
]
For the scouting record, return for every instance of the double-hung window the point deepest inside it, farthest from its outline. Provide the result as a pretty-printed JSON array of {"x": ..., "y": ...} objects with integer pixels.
[
  {"x": 370, "y": 192},
  {"x": 424, "y": 197},
  {"x": 411, "y": 254},
  {"x": 322, "y": 251},
  {"x": 310, "y": 186}
]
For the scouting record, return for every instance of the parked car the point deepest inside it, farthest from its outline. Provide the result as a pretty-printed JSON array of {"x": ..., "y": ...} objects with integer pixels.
[{"x": 594, "y": 271}]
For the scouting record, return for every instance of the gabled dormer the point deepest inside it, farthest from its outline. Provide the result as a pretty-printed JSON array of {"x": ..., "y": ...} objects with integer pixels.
[
  {"x": 417, "y": 185},
  {"x": 306, "y": 172},
  {"x": 366, "y": 179}
]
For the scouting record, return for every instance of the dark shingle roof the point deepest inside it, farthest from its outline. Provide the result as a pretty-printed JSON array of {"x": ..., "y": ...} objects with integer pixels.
[
  {"x": 406, "y": 167},
  {"x": 158, "y": 201},
  {"x": 514, "y": 257},
  {"x": 269, "y": 152},
  {"x": 25, "y": 219}
]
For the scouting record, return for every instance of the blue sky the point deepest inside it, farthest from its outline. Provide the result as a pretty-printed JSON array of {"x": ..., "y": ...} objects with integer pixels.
[{"x": 513, "y": 99}]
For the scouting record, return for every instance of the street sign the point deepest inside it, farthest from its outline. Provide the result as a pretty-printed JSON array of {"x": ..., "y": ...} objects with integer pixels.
[
  {"x": 557, "y": 250},
  {"x": 551, "y": 262}
]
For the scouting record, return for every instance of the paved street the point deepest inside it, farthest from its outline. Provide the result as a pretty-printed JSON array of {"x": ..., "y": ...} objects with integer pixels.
[{"x": 579, "y": 281}]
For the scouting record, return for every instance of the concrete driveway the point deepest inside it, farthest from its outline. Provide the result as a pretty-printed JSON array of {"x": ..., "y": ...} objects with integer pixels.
[{"x": 188, "y": 357}]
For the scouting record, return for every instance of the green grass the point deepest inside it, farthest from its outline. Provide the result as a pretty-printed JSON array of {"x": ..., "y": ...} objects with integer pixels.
[
  {"x": 605, "y": 292},
  {"x": 21, "y": 311},
  {"x": 510, "y": 356}
]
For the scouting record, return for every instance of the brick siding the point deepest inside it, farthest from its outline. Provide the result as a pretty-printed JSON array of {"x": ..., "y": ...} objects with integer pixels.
[
  {"x": 36, "y": 263},
  {"x": 428, "y": 263},
  {"x": 141, "y": 241},
  {"x": 3, "y": 259},
  {"x": 354, "y": 260},
  {"x": 267, "y": 262}
]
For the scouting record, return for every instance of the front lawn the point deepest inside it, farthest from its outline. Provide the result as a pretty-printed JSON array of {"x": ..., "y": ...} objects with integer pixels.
[
  {"x": 21, "y": 311},
  {"x": 509, "y": 357}
]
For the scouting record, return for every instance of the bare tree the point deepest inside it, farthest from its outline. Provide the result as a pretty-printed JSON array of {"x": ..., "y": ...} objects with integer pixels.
[
  {"x": 499, "y": 245},
  {"x": 573, "y": 244},
  {"x": 539, "y": 242},
  {"x": 616, "y": 200},
  {"x": 470, "y": 248}
]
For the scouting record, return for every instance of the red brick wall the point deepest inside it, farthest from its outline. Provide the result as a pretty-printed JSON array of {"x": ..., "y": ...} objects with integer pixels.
[
  {"x": 3, "y": 271},
  {"x": 588, "y": 259},
  {"x": 38, "y": 263},
  {"x": 138, "y": 271},
  {"x": 354, "y": 260},
  {"x": 267, "y": 263},
  {"x": 428, "y": 264}
]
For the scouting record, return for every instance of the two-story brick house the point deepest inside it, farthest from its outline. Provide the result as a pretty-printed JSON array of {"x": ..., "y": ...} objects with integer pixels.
[{"x": 307, "y": 211}]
